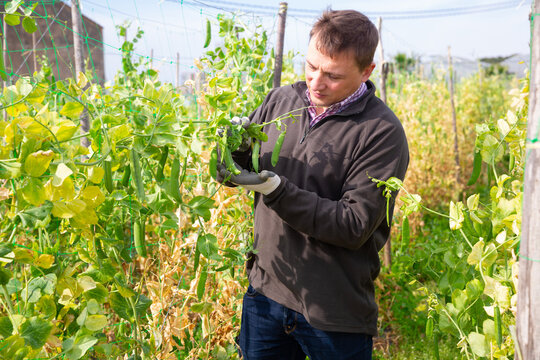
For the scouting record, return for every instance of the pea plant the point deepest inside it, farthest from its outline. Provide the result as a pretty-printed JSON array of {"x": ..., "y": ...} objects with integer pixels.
[
  {"x": 472, "y": 295},
  {"x": 125, "y": 248}
]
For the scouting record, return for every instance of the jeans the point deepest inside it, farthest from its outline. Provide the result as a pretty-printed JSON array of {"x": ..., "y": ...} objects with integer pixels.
[{"x": 270, "y": 331}]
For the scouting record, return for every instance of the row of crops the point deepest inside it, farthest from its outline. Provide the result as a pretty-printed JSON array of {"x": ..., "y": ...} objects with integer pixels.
[{"x": 128, "y": 248}]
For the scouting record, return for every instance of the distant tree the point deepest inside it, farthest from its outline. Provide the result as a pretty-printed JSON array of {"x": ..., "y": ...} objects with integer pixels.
[
  {"x": 494, "y": 66},
  {"x": 404, "y": 63}
]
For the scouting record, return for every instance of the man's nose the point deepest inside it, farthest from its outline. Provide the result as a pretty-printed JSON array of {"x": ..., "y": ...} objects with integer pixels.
[{"x": 317, "y": 82}]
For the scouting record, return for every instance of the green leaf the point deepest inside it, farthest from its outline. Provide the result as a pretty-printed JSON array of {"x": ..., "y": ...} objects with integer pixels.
[
  {"x": 6, "y": 328},
  {"x": 478, "y": 344},
  {"x": 201, "y": 206},
  {"x": 208, "y": 246},
  {"x": 29, "y": 25},
  {"x": 12, "y": 19},
  {"x": 11, "y": 346},
  {"x": 5, "y": 275},
  {"x": 72, "y": 109},
  {"x": 121, "y": 306},
  {"x": 38, "y": 286},
  {"x": 35, "y": 332},
  {"x": 95, "y": 322},
  {"x": 75, "y": 349},
  {"x": 46, "y": 306},
  {"x": 35, "y": 217},
  {"x": 99, "y": 293}
]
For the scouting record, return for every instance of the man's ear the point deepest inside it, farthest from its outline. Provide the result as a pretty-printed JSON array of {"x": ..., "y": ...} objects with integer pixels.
[{"x": 366, "y": 73}]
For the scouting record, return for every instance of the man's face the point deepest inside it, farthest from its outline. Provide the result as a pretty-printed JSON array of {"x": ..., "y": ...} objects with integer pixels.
[{"x": 331, "y": 80}]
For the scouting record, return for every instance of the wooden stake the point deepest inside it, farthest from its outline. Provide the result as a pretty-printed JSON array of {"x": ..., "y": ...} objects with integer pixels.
[
  {"x": 79, "y": 60},
  {"x": 528, "y": 303},
  {"x": 279, "y": 45},
  {"x": 387, "y": 256},
  {"x": 177, "y": 70},
  {"x": 454, "y": 119}
]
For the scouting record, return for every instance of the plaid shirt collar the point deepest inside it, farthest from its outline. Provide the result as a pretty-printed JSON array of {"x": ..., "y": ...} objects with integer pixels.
[{"x": 334, "y": 108}]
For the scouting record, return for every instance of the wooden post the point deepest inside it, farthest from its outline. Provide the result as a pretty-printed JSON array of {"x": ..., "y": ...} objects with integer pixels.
[
  {"x": 177, "y": 71},
  {"x": 79, "y": 59},
  {"x": 34, "y": 45},
  {"x": 528, "y": 304},
  {"x": 279, "y": 45},
  {"x": 77, "y": 31},
  {"x": 4, "y": 50},
  {"x": 384, "y": 66},
  {"x": 387, "y": 256},
  {"x": 454, "y": 119}
]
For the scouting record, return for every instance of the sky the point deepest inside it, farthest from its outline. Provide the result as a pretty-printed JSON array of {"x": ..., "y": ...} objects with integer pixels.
[{"x": 421, "y": 28}]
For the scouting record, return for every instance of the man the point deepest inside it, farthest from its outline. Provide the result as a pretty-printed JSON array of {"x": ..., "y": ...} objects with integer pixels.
[{"x": 320, "y": 220}]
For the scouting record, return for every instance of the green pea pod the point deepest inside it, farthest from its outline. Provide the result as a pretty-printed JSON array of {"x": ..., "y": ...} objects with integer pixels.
[
  {"x": 3, "y": 73},
  {"x": 174, "y": 184},
  {"x": 137, "y": 175},
  {"x": 161, "y": 165},
  {"x": 229, "y": 162},
  {"x": 139, "y": 235},
  {"x": 277, "y": 148},
  {"x": 512, "y": 162},
  {"x": 208, "y": 33},
  {"x": 498, "y": 326},
  {"x": 107, "y": 178},
  {"x": 125, "y": 177},
  {"x": 429, "y": 328},
  {"x": 477, "y": 166},
  {"x": 213, "y": 164},
  {"x": 255, "y": 155}
]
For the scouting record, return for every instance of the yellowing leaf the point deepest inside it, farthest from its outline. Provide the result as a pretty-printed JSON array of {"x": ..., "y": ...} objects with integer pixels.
[
  {"x": 95, "y": 174},
  {"x": 86, "y": 282},
  {"x": 32, "y": 129},
  {"x": 61, "y": 210},
  {"x": 95, "y": 322},
  {"x": 65, "y": 191},
  {"x": 64, "y": 130},
  {"x": 87, "y": 217},
  {"x": 45, "y": 261},
  {"x": 93, "y": 196},
  {"x": 37, "y": 163},
  {"x": 82, "y": 80},
  {"x": 33, "y": 192},
  {"x": 478, "y": 343},
  {"x": 76, "y": 205},
  {"x": 456, "y": 215},
  {"x": 72, "y": 109},
  {"x": 476, "y": 253},
  {"x": 17, "y": 109},
  {"x": 62, "y": 172},
  {"x": 497, "y": 291}
]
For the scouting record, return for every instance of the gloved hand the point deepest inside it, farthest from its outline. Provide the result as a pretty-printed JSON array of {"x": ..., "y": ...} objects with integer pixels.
[{"x": 264, "y": 182}]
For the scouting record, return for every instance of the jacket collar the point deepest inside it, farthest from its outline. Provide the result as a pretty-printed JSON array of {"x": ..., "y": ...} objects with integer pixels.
[{"x": 356, "y": 107}]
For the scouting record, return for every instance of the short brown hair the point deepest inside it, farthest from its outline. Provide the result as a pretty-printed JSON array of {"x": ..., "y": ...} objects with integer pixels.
[{"x": 346, "y": 30}]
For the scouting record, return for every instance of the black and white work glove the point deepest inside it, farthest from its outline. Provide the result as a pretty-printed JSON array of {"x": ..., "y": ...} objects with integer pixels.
[{"x": 264, "y": 182}]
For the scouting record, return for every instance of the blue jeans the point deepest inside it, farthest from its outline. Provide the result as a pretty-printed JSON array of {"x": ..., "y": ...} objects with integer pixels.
[{"x": 271, "y": 331}]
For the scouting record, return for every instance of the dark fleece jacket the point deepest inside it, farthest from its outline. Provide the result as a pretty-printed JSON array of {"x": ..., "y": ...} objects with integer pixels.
[{"x": 318, "y": 235}]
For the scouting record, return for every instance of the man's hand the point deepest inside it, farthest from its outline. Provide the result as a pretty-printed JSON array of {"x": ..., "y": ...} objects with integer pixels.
[{"x": 264, "y": 182}]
